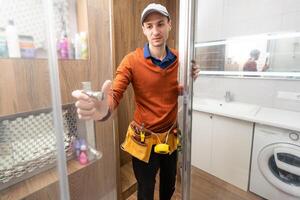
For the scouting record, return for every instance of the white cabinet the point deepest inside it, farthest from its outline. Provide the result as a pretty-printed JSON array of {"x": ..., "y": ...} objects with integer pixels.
[
  {"x": 222, "y": 146},
  {"x": 231, "y": 150},
  {"x": 201, "y": 141}
]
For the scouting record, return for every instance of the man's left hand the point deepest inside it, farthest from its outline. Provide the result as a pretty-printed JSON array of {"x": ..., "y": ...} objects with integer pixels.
[{"x": 195, "y": 70}]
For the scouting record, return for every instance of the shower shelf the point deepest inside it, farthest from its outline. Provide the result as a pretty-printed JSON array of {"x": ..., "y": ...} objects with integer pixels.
[
  {"x": 28, "y": 150},
  {"x": 33, "y": 59},
  {"x": 38, "y": 182}
]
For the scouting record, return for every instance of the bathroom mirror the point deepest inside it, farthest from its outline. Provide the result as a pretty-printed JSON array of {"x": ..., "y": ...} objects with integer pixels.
[{"x": 235, "y": 38}]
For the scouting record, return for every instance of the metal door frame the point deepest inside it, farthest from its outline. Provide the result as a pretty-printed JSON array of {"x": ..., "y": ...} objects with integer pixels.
[{"x": 186, "y": 55}]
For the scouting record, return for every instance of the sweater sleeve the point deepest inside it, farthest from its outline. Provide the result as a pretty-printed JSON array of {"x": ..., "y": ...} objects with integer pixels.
[{"x": 122, "y": 80}]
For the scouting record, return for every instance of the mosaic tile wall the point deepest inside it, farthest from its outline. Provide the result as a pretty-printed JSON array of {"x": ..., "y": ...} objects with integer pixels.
[
  {"x": 28, "y": 143},
  {"x": 29, "y": 17}
]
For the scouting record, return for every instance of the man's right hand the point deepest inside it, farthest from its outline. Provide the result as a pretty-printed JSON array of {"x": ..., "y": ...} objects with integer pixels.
[{"x": 90, "y": 108}]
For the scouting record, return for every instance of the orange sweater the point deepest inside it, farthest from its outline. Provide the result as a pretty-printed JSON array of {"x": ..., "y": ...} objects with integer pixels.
[{"x": 156, "y": 90}]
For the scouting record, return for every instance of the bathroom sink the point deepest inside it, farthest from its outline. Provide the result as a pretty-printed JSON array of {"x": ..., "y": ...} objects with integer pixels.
[{"x": 232, "y": 107}]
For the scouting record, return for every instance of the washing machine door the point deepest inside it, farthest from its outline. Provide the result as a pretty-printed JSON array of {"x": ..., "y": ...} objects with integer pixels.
[{"x": 280, "y": 165}]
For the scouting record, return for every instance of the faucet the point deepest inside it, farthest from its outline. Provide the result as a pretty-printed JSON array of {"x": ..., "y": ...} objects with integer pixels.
[{"x": 228, "y": 96}]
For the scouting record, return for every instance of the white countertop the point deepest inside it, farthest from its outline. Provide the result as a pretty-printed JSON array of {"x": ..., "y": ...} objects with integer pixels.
[{"x": 249, "y": 112}]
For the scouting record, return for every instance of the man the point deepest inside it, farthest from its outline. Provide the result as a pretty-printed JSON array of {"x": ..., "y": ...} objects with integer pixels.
[
  {"x": 251, "y": 64},
  {"x": 152, "y": 71}
]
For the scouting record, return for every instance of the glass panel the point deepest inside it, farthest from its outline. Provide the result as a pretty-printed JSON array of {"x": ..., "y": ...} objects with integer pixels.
[
  {"x": 92, "y": 169},
  {"x": 37, "y": 132},
  {"x": 28, "y": 139}
]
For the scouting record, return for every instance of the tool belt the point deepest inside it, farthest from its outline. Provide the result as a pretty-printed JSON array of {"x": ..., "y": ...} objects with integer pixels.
[{"x": 139, "y": 141}]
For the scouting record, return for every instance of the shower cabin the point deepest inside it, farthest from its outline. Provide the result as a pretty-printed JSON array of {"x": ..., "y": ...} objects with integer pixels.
[{"x": 49, "y": 49}]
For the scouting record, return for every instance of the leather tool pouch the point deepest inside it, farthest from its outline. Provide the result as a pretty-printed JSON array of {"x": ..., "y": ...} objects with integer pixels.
[{"x": 134, "y": 146}]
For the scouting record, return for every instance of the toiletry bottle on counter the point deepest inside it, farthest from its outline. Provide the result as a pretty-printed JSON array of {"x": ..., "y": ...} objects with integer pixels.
[
  {"x": 12, "y": 40},
  {"x": 71, "y": 49},
  {"x": 83, "y": 157},
  {"x": 3, "y": 44},
  {"x": 64, "y": 47},
  {"x": 27, "y": 48},
  {"x": 83, "y": 45},
  {"x": 77, "y": 148},
  {"x": 77, "y": 46}
]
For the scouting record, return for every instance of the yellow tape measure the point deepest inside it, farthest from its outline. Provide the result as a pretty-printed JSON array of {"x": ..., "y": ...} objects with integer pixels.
[{"x": 162, "y": 148}]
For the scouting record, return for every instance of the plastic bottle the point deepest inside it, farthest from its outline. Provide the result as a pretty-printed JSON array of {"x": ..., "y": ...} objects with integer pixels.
[
  {"x": 77, "y": 148},
  {"x": 26, "y": 46},
  {"x": 3, "y": 44},
  {"x": 83, "y": 45},
  {"x": 12, "y": 40},
  {"x": 71, "y": 49},
  {"x": 77, "y": 46},
  {"x": 64, "y": 47},
  {"x": 83, "y": 157}
]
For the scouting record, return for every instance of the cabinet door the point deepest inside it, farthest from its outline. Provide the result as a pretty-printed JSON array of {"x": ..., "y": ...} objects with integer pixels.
[
  {"x": 201, "y": 140},
  {"x": 231, "y": 150}
]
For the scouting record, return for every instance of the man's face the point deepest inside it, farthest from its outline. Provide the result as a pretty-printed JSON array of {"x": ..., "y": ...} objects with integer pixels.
[{"x": 156, "y": 28}]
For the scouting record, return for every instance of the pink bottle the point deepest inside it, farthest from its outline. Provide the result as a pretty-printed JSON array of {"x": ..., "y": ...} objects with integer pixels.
[
  {"x": 64, "y": 47},
  {"x": 83, "y": 158}
]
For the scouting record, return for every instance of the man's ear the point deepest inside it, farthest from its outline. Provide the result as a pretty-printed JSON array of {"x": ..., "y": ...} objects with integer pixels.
[{"x": 170, "y": 25}]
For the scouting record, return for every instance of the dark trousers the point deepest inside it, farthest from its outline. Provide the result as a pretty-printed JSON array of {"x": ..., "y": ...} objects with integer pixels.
[{"x": 145, "y": 174}]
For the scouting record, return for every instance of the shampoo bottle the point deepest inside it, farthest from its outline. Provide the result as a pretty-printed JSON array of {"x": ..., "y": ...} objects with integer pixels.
[
  {"x": 64, "y": 47},
  {"x": 77, "y": 148},
  {"x": 77, "y": 46},
  {"x": 12, "y": 40},
  {"x": 3, "y": 44},
  {"x": 83, "y": 45},
  {"x": 83, "y": 157}
]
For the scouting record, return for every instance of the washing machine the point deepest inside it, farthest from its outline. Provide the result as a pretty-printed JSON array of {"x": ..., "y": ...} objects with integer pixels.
[{"x": 275, "y": 163}]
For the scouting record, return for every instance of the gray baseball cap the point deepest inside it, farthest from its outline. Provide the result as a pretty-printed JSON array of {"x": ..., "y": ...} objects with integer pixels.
[{"x": 153, "y": 7}]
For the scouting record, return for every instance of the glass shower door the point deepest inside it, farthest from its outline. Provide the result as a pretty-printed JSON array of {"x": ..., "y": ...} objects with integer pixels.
[
  {"x": 47, "y": 50},
  {"x": 29, "y": 133}
]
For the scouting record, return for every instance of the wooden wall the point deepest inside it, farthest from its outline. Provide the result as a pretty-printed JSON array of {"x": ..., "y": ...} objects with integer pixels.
[
  {"x": 25, "y": 83},
  {"x": 128, "y": 36}
]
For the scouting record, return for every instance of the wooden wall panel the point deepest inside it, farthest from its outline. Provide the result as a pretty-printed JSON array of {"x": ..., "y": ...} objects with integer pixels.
[
  {"x": 173, "y": 8},
  {"x": 71, "y": 74},
  {"x": 50, "y": 193},
  {"x": 25, "y": 83},
  {"x": 82, "y": 16},
  {"x": 8, "y": 93}
]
